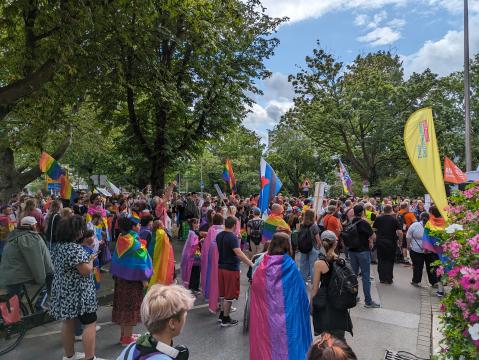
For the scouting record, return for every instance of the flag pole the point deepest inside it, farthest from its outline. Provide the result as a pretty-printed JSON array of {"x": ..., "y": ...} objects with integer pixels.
[{"x": 467, "y": 113}]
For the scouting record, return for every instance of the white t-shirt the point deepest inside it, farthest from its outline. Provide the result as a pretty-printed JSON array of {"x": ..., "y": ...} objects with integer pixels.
[{"x": 414, "y": 234}]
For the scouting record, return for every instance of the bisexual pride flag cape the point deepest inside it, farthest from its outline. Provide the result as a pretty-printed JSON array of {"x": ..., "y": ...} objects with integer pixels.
[
  {"x": 270, "y": 185},
  {"x": 429, "y": 241},
  {"x": 271, "y": 225},
  {"x": 130, "y": 259},
  {"x": 161, "y": 253},
  {"x": 280, "y": 326},
  {"x": 209, "y": 267},
  {"x": 188, "y": 257},
  {"x": 212, "y": 277}
]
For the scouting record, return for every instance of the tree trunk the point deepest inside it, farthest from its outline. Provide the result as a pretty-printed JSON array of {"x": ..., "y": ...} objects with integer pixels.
[
  {"x": 11, "y": 179},
  {"x": 157, "y": 176}
]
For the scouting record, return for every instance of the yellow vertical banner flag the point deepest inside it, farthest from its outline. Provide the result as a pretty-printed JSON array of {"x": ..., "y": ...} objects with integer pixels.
[{"x": 421, "y": 147}]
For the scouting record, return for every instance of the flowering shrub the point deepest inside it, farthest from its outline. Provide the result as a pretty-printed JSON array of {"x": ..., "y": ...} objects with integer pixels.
[{"x": 460, "y": 306}]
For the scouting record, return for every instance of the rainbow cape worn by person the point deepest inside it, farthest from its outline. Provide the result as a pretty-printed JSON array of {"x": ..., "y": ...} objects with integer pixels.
[
  {"x": 271, "y": 225},
  {"x": 161, "y": 252},
  {"x": 131, "y": 260},
  {"x": 209, "y": 268},
  {"x": 429, "y": 241},
  {"x": 280, "y": 326},
  {"x": 189, "y": 257}
]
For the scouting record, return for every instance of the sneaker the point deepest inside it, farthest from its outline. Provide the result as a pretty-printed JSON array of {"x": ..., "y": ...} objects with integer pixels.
[
  {"x": 98, "y": 328},
  {"x": 415, "y": 284},
  {"x": 220, "y": 318},
  {"x": 227, "y": 321},
  {"x": 76, "y": 356},
  {"x": 372, "y": 305},
  {"x": 439, "y": 294},
  {"x": 233, "y": 309},
  {"x": 127, "y": 340}
]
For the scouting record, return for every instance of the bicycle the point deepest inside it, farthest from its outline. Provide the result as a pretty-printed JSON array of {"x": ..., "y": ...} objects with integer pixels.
[{"x": 32, "y": 313}]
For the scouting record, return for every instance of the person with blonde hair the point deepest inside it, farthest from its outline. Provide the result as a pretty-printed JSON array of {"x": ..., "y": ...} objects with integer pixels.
[{"x": 163, "y": 312}]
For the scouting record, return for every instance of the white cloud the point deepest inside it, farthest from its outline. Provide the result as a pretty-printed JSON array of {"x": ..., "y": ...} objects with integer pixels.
[
  {"x": 397, "y": 23},
  {"x": 264, "y": 118},
  {"x": 278, "y": 87},
  {"x": 444, "y": 55},
  {"x": 361, "y": 20},
  {"x": 377, "y": 19},
  {"x": 304, "y": 9},
  {"x": 380, "y": 36}
]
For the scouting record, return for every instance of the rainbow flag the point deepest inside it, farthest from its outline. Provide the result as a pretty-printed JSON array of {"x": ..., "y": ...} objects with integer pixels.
[
  {"x": 50, "y": 166},
  {"x": 429, "y": 241},
  {"x": 271, "y": 225},
  {"x": 130, "y": 260},
  {"x": 345, "y": 178},
  {"x": 161, "y": 253},
  {"x": 229, "y": 176},
  {"x": 66, "y": 188},
  {"x": 280, "y": 326}
]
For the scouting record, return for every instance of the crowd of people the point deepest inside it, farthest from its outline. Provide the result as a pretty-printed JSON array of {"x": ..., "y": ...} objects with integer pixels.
[{"x": 292, "y": 250}]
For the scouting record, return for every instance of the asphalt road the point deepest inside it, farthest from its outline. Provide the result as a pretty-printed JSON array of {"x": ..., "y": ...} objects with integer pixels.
[{"x": 394, "y": 326}]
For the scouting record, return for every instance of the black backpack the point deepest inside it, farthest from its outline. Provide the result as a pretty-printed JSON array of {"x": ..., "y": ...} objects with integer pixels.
[
  {"x": 402, "y": 224},
  {"x": 350, "y": 235},
  {"x": 305, "y": 239},
  {"x": 343, "y": 285},
  {"x": 256, "y": 230}
]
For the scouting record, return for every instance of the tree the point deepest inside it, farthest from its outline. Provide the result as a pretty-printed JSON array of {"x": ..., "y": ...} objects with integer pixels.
[
  {"x": 358, "y": 111},
  {"x": 40, "y": 63},
  {"x": 243, "y": 147},
  {"x": 294, "y": 158},
  {"x": 179, "y": 73}
]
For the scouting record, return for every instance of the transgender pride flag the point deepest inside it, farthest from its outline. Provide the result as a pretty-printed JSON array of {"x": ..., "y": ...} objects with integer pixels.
[{"x": 270, "y": 185}]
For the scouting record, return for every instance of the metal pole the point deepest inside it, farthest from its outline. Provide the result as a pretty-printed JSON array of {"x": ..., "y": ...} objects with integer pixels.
[{"x": 467, "y": 113}]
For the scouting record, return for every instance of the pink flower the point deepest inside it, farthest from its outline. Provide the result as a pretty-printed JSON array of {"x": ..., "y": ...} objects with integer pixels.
[
  {"x": 461, "y": 305},
  {"x": 473, "y": 318},
  {"x": 454, "y": 272},
  {"x": 474, "y": 243},
  {"x": 470, "y": 297},
  {"x": 454, "y": 248},
  {"x": 440, "y": 271},
  {"x": 442, "y": 308}
]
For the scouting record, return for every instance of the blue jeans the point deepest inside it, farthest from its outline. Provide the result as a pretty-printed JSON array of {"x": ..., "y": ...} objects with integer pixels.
[
  {"x": 306, "y": 263},
  {"x": 362, "y": 260}
]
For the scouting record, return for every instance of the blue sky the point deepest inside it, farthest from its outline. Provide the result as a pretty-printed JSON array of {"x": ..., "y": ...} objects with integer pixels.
[{"x": 425, "y": 33}]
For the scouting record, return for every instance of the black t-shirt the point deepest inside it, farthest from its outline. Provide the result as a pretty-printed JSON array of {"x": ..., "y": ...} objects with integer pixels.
[
  {"x": 386, "y": 226},
  {"x": 226, "y": 242},
  {"x": 365, "y": 231}
]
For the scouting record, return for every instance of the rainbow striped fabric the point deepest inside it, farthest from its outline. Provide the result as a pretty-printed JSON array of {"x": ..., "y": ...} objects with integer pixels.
[
  {"x": 131, "y": 260},
  {"x": 229, "y": 176},
  {"x": 50, "y": 166},
  {"x": 429, "y": 241},
  {"x": 66, "y": 188},
  {"x": 279, "y": 311},
  {"x": 161, "y": 253},
  {"x": 271, "y": 225}
]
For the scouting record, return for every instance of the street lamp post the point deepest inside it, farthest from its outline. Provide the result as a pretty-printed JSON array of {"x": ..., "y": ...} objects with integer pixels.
[{"x": 467, "y": 113}]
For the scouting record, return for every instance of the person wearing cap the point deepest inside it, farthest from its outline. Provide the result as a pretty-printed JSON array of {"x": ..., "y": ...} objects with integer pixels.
[
  {"x": 26, "y": 258},
  {"x": 326, "y": 317}
]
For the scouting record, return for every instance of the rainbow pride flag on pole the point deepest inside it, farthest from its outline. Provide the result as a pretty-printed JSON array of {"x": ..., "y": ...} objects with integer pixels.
[
  {"x": 66, "y": 188},
  {"x": 50, "y": 166},
  {"x": 229, "y": 176},
  {"x": 280, "y": 326}
]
